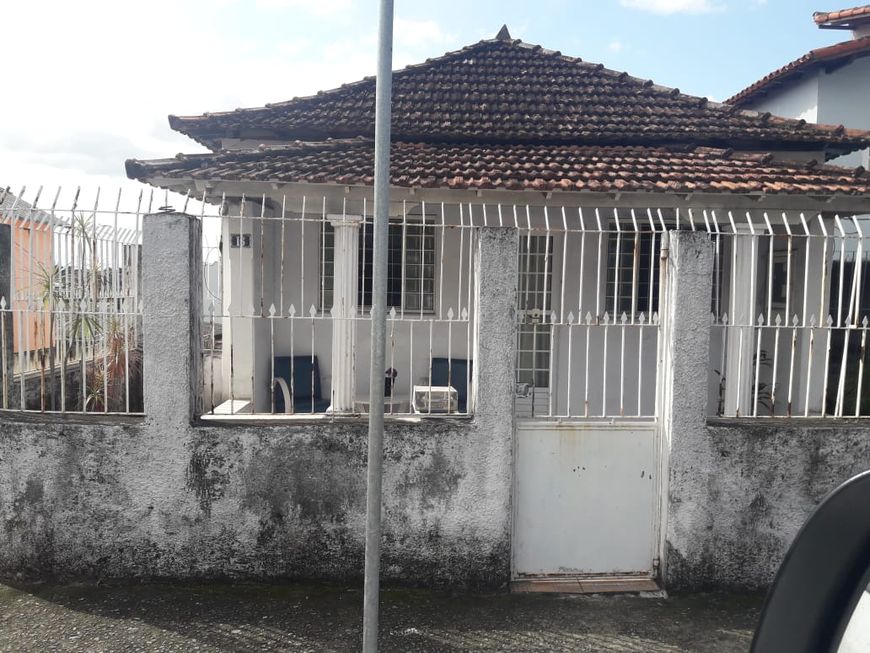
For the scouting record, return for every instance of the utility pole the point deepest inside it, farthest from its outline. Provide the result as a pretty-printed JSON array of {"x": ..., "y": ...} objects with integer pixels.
[{"x": 383, "y": 97}]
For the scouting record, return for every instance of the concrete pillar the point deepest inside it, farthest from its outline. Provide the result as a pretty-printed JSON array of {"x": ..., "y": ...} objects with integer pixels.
[
  {"x": 740, "y": 346},
  {"x": 682, "y": 388},
  {"x": 172, "y": 304},
  {"x": 345, "y": 289},
  {"x": 492, "y": 393},
  {"x": 495, "y": 340},
  {"x": 5, "y": 316}
]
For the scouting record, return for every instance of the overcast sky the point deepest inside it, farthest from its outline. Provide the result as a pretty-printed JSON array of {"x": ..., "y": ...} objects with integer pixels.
[{"x": 90, "y": 83}]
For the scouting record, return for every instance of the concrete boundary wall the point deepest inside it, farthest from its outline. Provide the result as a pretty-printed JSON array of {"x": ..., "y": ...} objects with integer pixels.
[
  {"x": 165, "y": 496},
  {"x": 738, "y": 490}
]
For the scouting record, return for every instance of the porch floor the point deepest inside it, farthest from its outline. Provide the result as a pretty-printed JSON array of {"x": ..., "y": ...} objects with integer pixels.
[{"x": 308, "y": 617}]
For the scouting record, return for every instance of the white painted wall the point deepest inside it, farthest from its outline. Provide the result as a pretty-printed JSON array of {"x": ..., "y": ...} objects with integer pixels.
[
  {"x": 839, "y": 97},
  {"x": 799, "y": 99},
  {"x": 844, "y": 99}
]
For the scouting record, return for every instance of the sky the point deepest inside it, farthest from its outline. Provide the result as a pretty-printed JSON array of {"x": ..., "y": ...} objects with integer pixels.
[{"x": 90, "y": 83}]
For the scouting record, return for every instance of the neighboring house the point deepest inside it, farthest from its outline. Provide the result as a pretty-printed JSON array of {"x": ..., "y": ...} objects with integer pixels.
[
  {"x": 31, "y": 265},
  {"x": 829, "y": 85}
]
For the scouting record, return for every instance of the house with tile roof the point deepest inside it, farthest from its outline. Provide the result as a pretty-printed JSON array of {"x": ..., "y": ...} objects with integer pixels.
[
  {"x": 593, "y": 172},
  {"x": 829, "y": 85}
]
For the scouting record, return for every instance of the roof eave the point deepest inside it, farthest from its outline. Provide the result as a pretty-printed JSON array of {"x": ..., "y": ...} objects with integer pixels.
[{"x": 817, "y": 203}]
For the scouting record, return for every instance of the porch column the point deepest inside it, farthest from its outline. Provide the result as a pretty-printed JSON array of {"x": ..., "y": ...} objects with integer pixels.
[
  {"x": 5, "y": 316},
  {"x": 345, "y": 288},
  {"x": 740, "y": 346},
  {"x": 172, "y": 303}
]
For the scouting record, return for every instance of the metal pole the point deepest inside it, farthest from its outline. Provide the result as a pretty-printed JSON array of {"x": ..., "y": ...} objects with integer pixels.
[{"x": 379, "y": 327}]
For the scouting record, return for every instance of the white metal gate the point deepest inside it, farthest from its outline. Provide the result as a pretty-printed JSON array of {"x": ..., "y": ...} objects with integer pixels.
[
  {"x": 585, "y": 499},
  {"x": 586, "y": 491}
]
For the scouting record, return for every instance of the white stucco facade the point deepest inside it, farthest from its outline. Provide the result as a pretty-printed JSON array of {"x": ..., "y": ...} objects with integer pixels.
[{"x": 836, "y": 96}]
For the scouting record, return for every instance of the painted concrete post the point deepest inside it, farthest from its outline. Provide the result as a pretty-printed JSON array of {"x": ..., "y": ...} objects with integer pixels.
[
  {"x": 345, "y": 288},
  {"x": 685, "y": 333},
  {"x": 495, "y": 294},
  {"x": 5, "y": 317},
  {"x": 172, "y": 305}
]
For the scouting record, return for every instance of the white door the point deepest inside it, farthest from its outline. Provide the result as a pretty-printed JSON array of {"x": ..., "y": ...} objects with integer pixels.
[{"x": 585, "y": 499}]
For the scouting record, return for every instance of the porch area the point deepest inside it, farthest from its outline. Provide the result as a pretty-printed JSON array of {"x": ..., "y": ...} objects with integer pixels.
[{"x": 287, "y": 324}]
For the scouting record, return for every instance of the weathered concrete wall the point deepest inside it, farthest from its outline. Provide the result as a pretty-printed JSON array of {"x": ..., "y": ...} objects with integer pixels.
[
  {"x": 738, "y": 490},
  {"x": 738, "y": 499},
  {"x": 166, "y": 496},
  {"x": 123, "y": 500}
]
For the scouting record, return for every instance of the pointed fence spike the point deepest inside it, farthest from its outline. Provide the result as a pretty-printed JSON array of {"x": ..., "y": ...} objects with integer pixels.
[
  {"x": 795, "y": 321},
  {"x": 724, "y": 318},
  {"x": 830, "y": 320},
  {"x": 312, "y": 311},
  {"x": 464, "y": 313},
  {"x": 393, "y": 313},
  {"x": 3, "y": 304},
  {"x": 553, "y": 317},
  {"x": 291, "y": 311},
  {"x": 570, "y": 317},
  {"x": 623, "y": 318},
  {"x": 641, "y": 317},
  {"x": 449, "y": 313},
  {"x": 864, "y": 322},
  {"x": 588, "y": 317},
  {"x": 271, "y": 310},
  {"x": 778, "y": 319},
  {"x": 760, "y": 319},
  {"x": 812, "y": 320},
  {"x": 655, "y": 318},
  {"x": 606, "y": 317}
]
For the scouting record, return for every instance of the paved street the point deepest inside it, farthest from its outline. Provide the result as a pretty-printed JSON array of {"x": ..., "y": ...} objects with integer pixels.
[{"x": 225, "y": 617}]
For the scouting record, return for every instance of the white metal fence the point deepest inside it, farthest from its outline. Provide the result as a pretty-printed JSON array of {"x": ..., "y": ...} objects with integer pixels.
[
  {"x": 70, "y": 327},
  {"x": 790, "y": 311},
  {"x": 287, "y": 292},
  {"x": 791, "y": 305},
  {"x": 587, "y": 319},
  {"x": 290, "y": 331}
]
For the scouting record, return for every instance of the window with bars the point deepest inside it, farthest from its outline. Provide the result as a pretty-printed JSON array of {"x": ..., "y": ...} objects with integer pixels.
[
  {"x": 410, "y": 266},
  {"x": 632, "y": 274},
  {"x": 534, "y": 287}
]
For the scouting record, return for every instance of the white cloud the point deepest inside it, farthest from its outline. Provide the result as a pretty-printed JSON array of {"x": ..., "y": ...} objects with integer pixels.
[
  {"x": 616, "y": 46},
  {"x": 674, "y": 6},
  {"x": 419, "y": 33}
]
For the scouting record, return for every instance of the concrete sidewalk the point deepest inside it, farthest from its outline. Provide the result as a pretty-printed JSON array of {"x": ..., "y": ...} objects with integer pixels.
[{"x": 226, "y": 617}]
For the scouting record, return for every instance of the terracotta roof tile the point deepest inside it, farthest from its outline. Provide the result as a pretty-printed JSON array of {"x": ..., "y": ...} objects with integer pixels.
[
  {"x": 824, "y": 18},
  {"x": 506, "y": 91},
  {"x": 827, "y": 55},
  {"x": 514, "y": 167}
]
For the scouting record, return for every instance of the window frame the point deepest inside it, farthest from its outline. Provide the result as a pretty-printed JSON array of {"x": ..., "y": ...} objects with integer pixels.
[{"x": 427, "y": 231}]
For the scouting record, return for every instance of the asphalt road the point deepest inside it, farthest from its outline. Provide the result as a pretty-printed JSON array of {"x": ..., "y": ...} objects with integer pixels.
[{"x": 326, "y": 618}]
